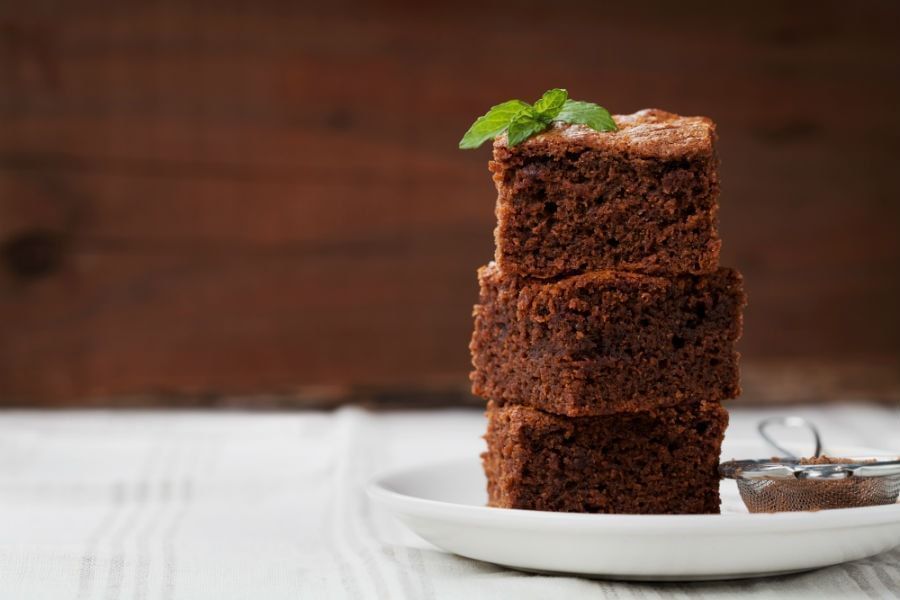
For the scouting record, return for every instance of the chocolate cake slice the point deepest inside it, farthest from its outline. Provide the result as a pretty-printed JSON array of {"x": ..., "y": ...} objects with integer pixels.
[
  {"x": 643, "y": 198},
  {"x": 606, "y": 341},
  {"x": 662, "y": 462}
]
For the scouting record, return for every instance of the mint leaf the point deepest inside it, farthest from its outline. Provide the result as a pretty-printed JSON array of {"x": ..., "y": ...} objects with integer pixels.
[
  {"x": 492, "y": 123},
  {"x": 586, "y": 113},
  {"x": 550, "y": 104},
  {"x": 521, "y": 120},
  {"x": 523, "y": 126}
]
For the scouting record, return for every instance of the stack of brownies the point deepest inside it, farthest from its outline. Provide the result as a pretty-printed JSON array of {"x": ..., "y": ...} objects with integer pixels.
[{"x": 605, "y": 330}]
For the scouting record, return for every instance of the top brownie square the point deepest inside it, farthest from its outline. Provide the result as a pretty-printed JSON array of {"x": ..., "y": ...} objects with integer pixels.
[{"x": 643, "y": 198}]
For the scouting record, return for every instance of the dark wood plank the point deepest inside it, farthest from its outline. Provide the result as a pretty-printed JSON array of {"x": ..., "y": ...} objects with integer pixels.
[
  {"x": 120, "y": 323},
  {"x": 211, "y": 199}
]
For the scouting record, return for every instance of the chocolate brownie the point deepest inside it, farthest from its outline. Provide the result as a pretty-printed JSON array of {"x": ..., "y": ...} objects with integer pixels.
[
  {"x": 606, "y": 341},
  {"x": 664, "y": 461},
  {"x": 643, "y": 198}
]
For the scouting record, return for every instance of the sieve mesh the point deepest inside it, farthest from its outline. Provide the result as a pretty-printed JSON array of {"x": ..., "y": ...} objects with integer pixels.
[
  {"x": 810, "y": 484},
  {"x": 776, "y": 495}
]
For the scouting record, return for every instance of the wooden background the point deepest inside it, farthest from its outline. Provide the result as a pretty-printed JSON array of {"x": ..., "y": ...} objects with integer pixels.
[{"x": 262, "y": 202}]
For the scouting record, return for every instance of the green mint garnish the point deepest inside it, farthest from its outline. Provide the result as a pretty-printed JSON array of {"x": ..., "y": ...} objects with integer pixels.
[
  {"x": 492, "y": 124},
  {"x": 551, "y": 103},
  {"x": 521, "y": 120},
  {"x": 524, "y": 125},
  {"x": 587, "y": 113}
]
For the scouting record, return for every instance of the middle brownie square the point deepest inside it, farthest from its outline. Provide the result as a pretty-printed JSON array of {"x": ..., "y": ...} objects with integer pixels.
[{"x": 605, "y": 342}]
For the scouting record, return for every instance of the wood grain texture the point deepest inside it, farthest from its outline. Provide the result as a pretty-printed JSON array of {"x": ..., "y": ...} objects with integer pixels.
[{"x": 203, "y": 200}]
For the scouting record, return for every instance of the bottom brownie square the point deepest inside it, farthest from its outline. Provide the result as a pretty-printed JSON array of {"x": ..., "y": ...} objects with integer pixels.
[{"x": 662, "y": 462}]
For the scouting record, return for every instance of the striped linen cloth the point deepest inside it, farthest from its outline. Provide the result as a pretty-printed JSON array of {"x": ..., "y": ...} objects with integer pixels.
[{"x": 196, "y": 505}]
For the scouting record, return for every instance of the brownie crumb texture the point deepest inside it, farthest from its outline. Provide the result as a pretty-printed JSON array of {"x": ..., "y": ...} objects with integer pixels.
[
  {"x": 644, "y": 198},
  {"x": 662, "y": 462},
  {"x": 605, "y": 342}
]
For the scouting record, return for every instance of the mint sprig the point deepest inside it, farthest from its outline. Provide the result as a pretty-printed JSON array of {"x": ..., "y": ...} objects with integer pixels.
[
  {"x": 521, "y": 120},
  {"x": 523, "y": 126},
  {"x": 551, "y": 103},
  {"x": 492, "y": 123},
  {"x": 587, "y": 113}
]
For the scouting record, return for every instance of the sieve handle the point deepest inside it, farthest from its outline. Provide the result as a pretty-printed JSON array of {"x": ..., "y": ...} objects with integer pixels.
[{"x": 796, "y": 422}]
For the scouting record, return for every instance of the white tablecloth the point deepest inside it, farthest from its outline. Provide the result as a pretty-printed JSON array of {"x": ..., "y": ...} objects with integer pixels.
[{"x": 199, "y": 505}]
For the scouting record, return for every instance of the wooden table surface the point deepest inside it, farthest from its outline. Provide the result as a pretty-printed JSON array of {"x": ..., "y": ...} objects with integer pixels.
[{"x": 165, "y": 505}]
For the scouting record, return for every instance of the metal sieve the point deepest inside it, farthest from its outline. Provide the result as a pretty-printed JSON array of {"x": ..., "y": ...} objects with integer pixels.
[{"x": 794, "y": 484}]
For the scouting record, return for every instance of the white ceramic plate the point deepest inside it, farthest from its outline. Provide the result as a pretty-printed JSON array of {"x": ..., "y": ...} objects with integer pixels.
[{"x": 444, "y": 503}]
